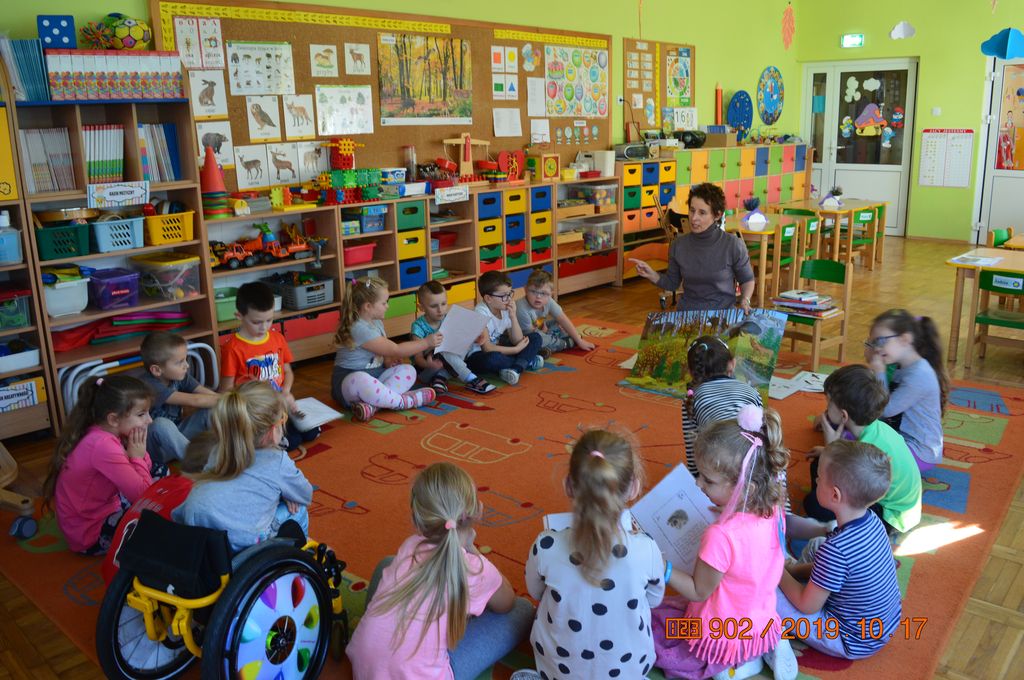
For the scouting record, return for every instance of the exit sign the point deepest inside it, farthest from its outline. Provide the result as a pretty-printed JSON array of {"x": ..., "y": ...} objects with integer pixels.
[{"x": 852, "y": 40}]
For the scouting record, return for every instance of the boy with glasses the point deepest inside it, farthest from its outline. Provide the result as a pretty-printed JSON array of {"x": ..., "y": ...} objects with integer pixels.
[
  {"x": 538, "y": 311},
  {"x": 505, "y": 349}
]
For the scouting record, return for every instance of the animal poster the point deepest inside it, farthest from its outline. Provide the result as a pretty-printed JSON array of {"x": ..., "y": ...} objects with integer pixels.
[
  {"x": 283, "y": 163},
  {"x": 313, "y": 159},
  {"x": 211, "y": 42},
  {"x": 323, "y": 61},
  {"x": 261, "y": 68},
  {"x": 678, "y": 78},
  {"x": 424, "y": 80},
  {"x": 1010, "y": 147},
  {"x": 754, "y": 340},
  {"x": 344, "y": 110},
  {"x": 357, "y": 59},
  {"x": 251, "y": 167},
  {"x": 298, "y": 117},
  {"x": 209, "y": 98},
  {"x": 186, "y": 40},
  {"x": 216, "y": 134},
  {"x": 264, "y": 119},
  {"x": 576, "y": 81}
]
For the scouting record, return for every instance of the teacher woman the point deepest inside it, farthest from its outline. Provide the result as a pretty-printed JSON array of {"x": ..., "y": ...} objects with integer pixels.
[{"x": 708, "y": 261}]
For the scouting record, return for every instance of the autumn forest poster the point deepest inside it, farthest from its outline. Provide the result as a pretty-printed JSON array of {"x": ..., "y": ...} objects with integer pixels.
[{"x": 424, "y": 80}]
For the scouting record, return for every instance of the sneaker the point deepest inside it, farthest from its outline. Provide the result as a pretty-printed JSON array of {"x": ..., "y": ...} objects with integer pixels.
[
  {"x": 480, "y": 386},
  {"x": 545, "y": 352},
  {"x": 363, "y": 412},
  {"x": 509, "y": 375},
  {"x": 782, "y": 661},
  {"x": 439, "y": 385},
  {"x": 746, "y": 670},
  {"x": 525, "y": 674},
  {"x": 417, "y": 398},
  {"x": 536, "y": 364}
]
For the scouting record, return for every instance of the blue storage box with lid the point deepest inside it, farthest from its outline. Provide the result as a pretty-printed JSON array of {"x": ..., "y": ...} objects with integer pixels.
[{"x": 114, "y": 288}]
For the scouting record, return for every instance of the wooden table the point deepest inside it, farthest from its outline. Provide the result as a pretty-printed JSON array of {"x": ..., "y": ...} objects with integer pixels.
[
  {"x": 847, "y": 210},
  {"x": 771, "y": 235},
  {"x": 1010, "y": 260},
  {"x": 1015, "y": 243}
]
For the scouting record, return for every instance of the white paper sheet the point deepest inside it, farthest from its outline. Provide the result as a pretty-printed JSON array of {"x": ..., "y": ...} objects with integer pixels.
[
  {"x": 313, "y": 413},
  {"x": 780, "y": 388},
  {"x": 507, "y": 123},
  {"x": 810, "y": 382},
  {"x": 976, "y": 261},
  {"x": 460, "y": 328},
  {"x": 540, "y": 131},
  {"x": 535, "y": 97},
  {"x": 675, "y": 513},
  {"x": 629, "y": 363}
]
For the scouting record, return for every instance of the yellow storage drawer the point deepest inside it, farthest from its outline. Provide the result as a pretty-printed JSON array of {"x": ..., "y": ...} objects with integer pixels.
[
  {"x": 632, "y": 174},
  {"x": 667, "y": 172},
  {"x": 412, "y": 244},
  {"x": 540, "y": 222},
  {"x": 649, "y": 196},
  {"x": 515, "y": 201},
  {"x": 490, "y": 232},
  {"x": 462, "y": 292}
]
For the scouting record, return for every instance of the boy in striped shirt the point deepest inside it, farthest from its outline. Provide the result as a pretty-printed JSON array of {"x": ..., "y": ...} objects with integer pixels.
[{"x": 853, "y": 572}]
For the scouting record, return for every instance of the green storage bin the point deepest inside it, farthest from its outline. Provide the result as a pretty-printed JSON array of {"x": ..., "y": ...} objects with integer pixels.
[
  {"x": 540, "y": 242},
  {"x": 411, "y": 215},
  {"x": 775, "y": 160},
  {"x": 400, "y": 305},
  {"x": 516, "y": 260},
  {"x": 59, "y": 242},
  {"x": 490, "y": 252},
  {"x": 225, "y": 298},
  {"x": 631, "y": 198}
]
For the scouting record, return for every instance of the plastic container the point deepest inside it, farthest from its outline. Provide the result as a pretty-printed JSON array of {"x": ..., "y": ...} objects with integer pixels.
[
  {"x": 169, "y": 275},
  {"x": 66, "y": 297},
  {"x": 371, "y": 218},
  {"x": 15, "y": 310},
  {"x": 349, "y": 227},
  {"x": 358, "y": 254},
  {"x": 392, "y": 175},
  {"x": 446, "y": 239},
  {"x": 15, "y": 356},
  {"x": 225, "y": 298},
  {"x": 596, "y": 194},
  {"x": 59, "y": 242},
  {"x": 114, "y": 288},
  {"x": 173, "y": 228},
  {"x": 10, "y": 246},
  {"x": 319, "y": 290},
  {"x": 112, "y": 235}
]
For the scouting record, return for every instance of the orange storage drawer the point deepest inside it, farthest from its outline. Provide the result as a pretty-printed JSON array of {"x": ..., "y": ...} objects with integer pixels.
[
  {"x": 649, "y": 218},
  {"x": 631, "y": 221}
]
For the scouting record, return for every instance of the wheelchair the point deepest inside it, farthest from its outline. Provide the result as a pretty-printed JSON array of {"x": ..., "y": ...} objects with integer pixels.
[{"x": 273, "y": 610}]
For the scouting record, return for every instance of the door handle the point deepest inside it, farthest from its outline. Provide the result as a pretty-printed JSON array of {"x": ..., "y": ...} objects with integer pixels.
[{"x": 840, "y": 147}]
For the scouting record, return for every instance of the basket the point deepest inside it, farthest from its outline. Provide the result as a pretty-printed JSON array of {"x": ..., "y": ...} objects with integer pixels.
[
  {"x": 303, "y": 295},
  {"x": 66, "y": 297},
  {"x": 111, "y": 235},
  {"x": 173, "y": 228},
  {"x": 359, "y": 254},
  {"x": 60, "y": 242}
]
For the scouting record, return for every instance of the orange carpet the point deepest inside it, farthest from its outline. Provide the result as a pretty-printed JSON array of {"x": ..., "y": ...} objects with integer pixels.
[{"x": 514, "y": 442}]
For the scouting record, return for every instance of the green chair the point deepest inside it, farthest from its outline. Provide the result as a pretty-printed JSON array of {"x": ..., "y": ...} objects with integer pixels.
[
  {"x": 811, "y": 329},
  {"x": 859, "y": 238},
  {"x": 986, "y": 283},
  {"x": 997, "y": 237}
]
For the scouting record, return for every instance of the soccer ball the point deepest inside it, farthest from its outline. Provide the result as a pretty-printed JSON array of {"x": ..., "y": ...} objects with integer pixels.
[{"x": 130, "y": 34}]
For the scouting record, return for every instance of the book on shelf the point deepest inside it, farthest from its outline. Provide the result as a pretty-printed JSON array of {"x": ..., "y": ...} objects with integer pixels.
[
  {"x": 46, "y": 162},
  {"x": 104, "y": 153},
  {"x": 814, "y": 313},
  {"x": 26, "y": 69},
  {"x": 90, "y": 75},
  {"x": 800, "y": 295},
  {"x": 790, "y": 304},
  {"x": 158, "y": 147}
]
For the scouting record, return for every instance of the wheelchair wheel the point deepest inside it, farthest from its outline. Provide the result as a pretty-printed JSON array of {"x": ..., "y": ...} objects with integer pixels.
[
  {"x": 273, "y": 620},
  {"x": 124, "y": 649}
]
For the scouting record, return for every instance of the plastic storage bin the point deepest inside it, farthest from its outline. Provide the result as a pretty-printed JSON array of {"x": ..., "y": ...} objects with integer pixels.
[
  {"x": 15, "y": 310},
  {"x": 413, "y": 273},
  {"x": 358, "y": 254},
  {"x": 302, "y": 290},
  {"x": 114, "y": 288},
  {"x": 411, "y": 215},
  {"x": 349, "y": 227},
  {"x": 596, "y": 194},
  {"x": 10, "y": 247},
  {"x": 173, "y": 228},
  {"x": 446, "y": 239},
  {"x": 17, "y": 355},
  {"x": 225, "y": 298},
  {"x": 170, "y": 275},
  {"x": 66, "y": 297},
  {"x": 112, "y": 235},
  {"x": 60, "y": 242},
  {"x": 371, "y": 218}
]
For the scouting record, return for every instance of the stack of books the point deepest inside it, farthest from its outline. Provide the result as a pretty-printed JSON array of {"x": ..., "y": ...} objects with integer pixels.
[
  {"x": 158, "y": 148},
  {"x": 26, "y": 68},
  {"x": 46, "y": 163},
  {"x": 806, "y": 303},
  {"x": 89, "y": 75},
  {"x": 104, "y": 153}
]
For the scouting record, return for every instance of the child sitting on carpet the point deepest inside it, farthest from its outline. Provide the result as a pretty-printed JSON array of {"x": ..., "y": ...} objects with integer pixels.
[
  {"x": 100, "y": 464},
  {"x": 596, "y": 581},
  {"x": 740, "y": 559},
  {"x": 854, "y": 401},
  {"x": 507, "y": 349},
  {"x": 919, "y": 386},
  {"x": 367, "y": 374},
  {"x": 437, "y": 369},
  {"x": 438, "y": 609},
  {"x": 853, "y": 573},
  {"x": 250, "y": 487},
  {"x": 538, "y": 311}
]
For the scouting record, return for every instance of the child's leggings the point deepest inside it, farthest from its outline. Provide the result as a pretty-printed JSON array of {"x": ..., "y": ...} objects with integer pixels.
[{"x": 384, "y": 392}]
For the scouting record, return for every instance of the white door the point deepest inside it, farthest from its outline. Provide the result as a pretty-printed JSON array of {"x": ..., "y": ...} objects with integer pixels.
[
  {"x": 859, "y": 115},
  {"x": 1001, "y": 203}
]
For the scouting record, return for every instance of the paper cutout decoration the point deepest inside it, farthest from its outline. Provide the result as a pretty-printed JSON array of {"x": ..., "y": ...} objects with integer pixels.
[
  {"x": 887, "y": 136},
  {"x": 57, "y": 31},
  {"x": 870, "y": 121},
  {"x": 1006, "y": 44},
  {"x": 846, "y": 127},
  {"x": 897, "y": 118},
  {"x": 788, "y": 26},
  {"x": 740, "y": 114},
  {"x": 902, "y": 30},
  {"x": 872, "y": 84},
  {"x": 852, "y": 89},
  {"x": 770, "y": 95}
]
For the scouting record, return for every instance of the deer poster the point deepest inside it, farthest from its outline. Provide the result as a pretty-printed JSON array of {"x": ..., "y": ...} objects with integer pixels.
[
  {"x": 344, "y": 110},
  {"x": 298, "y": 117},
  {"x": 283, "y": 164},
  {"x": 264, "y": 117},
  {"x": 754, "y": 340},
  {"x": 251, "y": 167},
  {"x": 424, "y": 80},
  {"x": 208, "y": 94},
  {"x": 357, "y": 59}
]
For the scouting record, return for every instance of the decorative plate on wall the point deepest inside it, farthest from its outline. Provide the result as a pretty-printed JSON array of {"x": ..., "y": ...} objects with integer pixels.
[
  {"x": 740, "y": 114},
  {"x": 770, "y": 95}
]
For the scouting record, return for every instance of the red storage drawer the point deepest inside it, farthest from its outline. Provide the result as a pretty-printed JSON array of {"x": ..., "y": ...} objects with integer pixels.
[
  {"x": 582, "y": 265},
  {"x": 446, "y": 239},
  {"x": 515, "y": 247},
  {"x": 538, "y": 255},
  {"x": 490, "y": 265},
  {"x": 319, "y": 324}
]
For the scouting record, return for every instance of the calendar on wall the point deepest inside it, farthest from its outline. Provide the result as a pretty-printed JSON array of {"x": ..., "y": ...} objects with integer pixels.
[{"x": 946, "y": 157}]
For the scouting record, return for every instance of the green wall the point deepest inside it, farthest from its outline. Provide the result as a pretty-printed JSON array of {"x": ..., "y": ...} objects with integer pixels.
[{"x": 951, "y": 76}]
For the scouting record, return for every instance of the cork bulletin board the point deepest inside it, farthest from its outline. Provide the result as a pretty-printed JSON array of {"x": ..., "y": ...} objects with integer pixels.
[
  {"x": 287, "y": 77},
  {"x": 658, "y": 77}
]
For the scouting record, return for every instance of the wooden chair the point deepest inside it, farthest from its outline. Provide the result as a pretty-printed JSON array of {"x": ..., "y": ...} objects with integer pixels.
[
  {"x": 996, "y": 239},
  {"x": 986, "y": 283},
  {"x": 859, "y": 238},
  {"x": 813, "y": 272}
]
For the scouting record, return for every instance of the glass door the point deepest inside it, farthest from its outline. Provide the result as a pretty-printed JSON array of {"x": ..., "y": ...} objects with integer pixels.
[{"x": 1002, "y": 195}]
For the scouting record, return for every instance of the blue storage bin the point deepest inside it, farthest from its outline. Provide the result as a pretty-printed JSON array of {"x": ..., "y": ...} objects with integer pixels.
[
  {"x": 650, "y": 174},
  {"x": 666, "y": 192},
  {"x": 413, "y": 273},
  {"x": 10, "y": 247},
  {"x": 515, "y": 227},
  {"x": 800, "y": 163},
  {"x": 520, "y": 276},
  {"x": 540, "y": 199},
  {"x": 489, "y": 204},
  {"x": 761, "y": 162}
]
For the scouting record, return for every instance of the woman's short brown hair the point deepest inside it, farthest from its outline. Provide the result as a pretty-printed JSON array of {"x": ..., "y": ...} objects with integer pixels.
[{"x": 711, "y": 194}]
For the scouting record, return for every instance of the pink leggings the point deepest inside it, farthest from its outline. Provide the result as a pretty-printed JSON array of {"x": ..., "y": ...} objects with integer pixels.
[{"x": 385, "y": 392}]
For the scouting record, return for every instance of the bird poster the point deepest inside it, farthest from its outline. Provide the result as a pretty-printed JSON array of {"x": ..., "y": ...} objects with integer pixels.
[
  {"x": 323, "y": 61},
  {"x": 344, "y": 110},
  {"x": 424, "y": 80},
  {"x": 264, "y": 117},
  {"x": 754, "y": 340},
  {"x": 260, "y": 68}
]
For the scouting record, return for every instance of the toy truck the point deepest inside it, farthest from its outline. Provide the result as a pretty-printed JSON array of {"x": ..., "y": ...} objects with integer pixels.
[{"x": 232, "y": 255}]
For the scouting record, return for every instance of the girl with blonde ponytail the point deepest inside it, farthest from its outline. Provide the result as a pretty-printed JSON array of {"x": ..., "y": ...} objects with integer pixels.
[
  {"x": 438, "y": 609},
  {"x": 250, "y": 486}
]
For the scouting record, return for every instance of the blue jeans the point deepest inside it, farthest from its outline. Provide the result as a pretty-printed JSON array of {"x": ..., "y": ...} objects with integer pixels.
[
  {"x": 281, "y": 515},
  {"x": 491, "y": 362},
  {"x": 488, "y": 638},
  {"x": 167, "y": 440}
]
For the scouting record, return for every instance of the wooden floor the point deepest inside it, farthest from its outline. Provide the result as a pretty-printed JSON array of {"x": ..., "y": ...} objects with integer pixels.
[{"x": 987, "y": 639}]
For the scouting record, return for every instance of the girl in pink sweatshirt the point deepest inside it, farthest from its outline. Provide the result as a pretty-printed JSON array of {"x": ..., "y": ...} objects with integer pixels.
[{"x": 100, "y": 465}]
